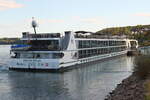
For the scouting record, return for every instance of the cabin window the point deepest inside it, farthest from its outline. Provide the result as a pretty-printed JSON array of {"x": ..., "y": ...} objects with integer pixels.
[
  {"x": 133, "y": 44},
  {"x": 38, "y": 55},
  {"x": 57, "y": 55},
  {"x": 26, "y": 55},
  {"x": 16, "y": 55},
  {"x": 52, "y": 45},
  {"x": 79, "y": 44}
]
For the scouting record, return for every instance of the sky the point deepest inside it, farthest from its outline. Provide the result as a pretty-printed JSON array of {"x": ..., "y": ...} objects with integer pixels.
[{"x": 70, "y": 15}]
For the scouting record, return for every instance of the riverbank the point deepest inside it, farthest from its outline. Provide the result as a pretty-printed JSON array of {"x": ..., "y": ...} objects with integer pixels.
[
  {"x": 131, "y": 88},
  {"x": 137, "y": 86}
]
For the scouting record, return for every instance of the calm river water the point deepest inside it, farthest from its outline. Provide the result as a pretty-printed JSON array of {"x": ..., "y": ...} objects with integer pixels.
[{"x": 91, "y": 82}]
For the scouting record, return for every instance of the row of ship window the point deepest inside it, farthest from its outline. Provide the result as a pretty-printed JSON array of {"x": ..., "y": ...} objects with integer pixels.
[
  {"x": 39, "y": 55},
  {"x": 96, "y": 43},
  {"x": 94, "y": 52}
]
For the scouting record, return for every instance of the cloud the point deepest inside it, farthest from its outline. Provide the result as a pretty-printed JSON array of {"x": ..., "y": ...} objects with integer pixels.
[
  {"x": 89, "y": 20},
  {"x": 9, "y": 4},
  {"x": 56, "y": 21},
  {"x": 50, "y": 21},
  {"x": 142, "y": 14}
]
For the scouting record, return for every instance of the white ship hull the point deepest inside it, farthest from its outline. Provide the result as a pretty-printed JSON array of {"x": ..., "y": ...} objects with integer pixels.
[{"x": 56, "y": 64}]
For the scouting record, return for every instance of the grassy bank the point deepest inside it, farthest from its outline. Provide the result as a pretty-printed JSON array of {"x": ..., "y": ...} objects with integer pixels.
[
  {"x": 147, "y": 88},
  {"x": 142, "y": 70}
]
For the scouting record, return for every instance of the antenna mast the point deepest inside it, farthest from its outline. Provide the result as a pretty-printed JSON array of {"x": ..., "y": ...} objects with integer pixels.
[{"x": 34, "y": 25}]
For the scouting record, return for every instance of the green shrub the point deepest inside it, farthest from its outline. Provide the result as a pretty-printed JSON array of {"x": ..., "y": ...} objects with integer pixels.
[{"x": 142, "y": 66}]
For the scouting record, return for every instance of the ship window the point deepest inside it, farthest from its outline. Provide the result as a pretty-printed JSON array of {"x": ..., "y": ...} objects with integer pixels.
[
  {"x": 26, "y": 55},
  {"x": 57, "y": 55},
  {"x": 16, "y": 55},
  {"x": 44, "y": 45}
]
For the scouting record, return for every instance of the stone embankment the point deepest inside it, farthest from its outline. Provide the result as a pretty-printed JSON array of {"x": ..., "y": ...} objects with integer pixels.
[{"x": 131, "y": 88}]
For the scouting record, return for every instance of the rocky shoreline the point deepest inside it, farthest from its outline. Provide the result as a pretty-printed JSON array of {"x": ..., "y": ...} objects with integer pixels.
[{"x": 131, "y": 88}]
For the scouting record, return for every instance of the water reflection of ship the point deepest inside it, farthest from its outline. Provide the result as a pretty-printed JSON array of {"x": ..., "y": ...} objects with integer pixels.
[{"x": 36, "y": 86}]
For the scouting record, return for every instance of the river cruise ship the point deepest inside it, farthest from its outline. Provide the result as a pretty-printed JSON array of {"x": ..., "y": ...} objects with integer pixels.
[{"x": 54, "y": 51}]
